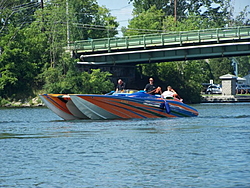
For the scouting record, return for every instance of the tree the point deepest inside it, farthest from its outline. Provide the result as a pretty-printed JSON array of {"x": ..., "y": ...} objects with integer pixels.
[
  {"x": 167, "y": 7},
  {"x": 185, "y": 77},
  {"x": 215, "y": 10},
  {"x": 33, "y": 43},
  {"x": 191, "y": 23},
  {"x": 67, "y": 79},
  {"x": 17, "y": 69},
  {"x": 243, "y": 65},
  {"x": 219, "y": 67},
  {"x": 62, "y": 76},
  {"x": 216, "y": 13},
  {"x": 89, "y": 20},
  {"x": 20, "y": 46},
  {"x": 16, "y": 13},
  {"x": 149, "y": 21}
]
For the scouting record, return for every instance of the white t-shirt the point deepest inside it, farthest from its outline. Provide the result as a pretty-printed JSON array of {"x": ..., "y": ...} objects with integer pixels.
[{"x": 166, "y": 94}]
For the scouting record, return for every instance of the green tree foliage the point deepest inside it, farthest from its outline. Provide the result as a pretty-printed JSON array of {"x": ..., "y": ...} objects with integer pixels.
[
  {"x": 16, "y": 13},
  {"x": 215, "y": 10},
  {"x": 243, "y": 65},
  {"x": 167, "y": 7},
  {"x": 51, "y": 22},
  {"x": 67, "y": 79},
  {"x": 149, "y": 21},
  {"x": 219, "y": 67},
  {"x": 185, "y": 77},
  {"x": 91, "y": 21},
  {"x": 191, "y": 23},
  {"x": 203, "y": 13},
  {"x": 33, "y": 41},
  {"x": 20, "y": 62}
]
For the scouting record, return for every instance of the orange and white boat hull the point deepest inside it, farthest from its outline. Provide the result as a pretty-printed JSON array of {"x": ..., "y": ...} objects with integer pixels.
[{"x": 62, "y": 106}]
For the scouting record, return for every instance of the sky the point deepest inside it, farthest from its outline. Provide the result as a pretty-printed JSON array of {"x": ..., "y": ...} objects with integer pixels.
[{"x": 123, "y": 11}]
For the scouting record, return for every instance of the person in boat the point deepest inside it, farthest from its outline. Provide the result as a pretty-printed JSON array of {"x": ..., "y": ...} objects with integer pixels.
[
  {"x": 150, "y": 88},
  {"x": 170, "y": 93},
  {"x": 120, "y": 86}
]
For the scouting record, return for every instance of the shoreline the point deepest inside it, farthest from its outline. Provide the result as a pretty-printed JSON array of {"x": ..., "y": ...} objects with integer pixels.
[
  {"x": 225, "y": 98},
  {"x": 36, "y": 102}
]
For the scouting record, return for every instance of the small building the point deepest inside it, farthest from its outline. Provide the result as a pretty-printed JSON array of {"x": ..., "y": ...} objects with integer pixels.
[
  {"x": 241, "y": 80},
  {"x": 247, "y": 81},
  {"x": 228, "y": 84}
]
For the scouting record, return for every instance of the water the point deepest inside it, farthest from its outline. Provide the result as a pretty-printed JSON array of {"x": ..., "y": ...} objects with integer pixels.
[{"x": 38, "y": 149}]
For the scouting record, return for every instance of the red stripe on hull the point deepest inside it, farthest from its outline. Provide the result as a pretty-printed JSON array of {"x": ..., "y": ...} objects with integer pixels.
[{"x": 126, "y": 108}]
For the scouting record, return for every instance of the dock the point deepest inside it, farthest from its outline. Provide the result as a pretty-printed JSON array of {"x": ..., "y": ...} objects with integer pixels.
[{"x": 224, "y": 98}]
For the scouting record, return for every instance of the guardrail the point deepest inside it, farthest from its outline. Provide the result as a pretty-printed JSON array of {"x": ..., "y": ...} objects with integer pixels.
[{"x": 163, "y": 39}]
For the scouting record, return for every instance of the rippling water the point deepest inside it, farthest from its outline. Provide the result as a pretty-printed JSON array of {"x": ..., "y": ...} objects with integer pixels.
[{"x": 38, "y": 149}]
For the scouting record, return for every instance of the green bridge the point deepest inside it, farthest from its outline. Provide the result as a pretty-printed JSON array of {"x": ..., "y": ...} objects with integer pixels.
[{"x": 163, "y": 47}]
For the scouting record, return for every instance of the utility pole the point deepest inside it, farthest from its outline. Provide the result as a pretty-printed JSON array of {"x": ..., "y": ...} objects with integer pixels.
[
  {"x": 67, "y": 14},
  {"x": 235, "y": 65},
  {"x": 43, "y": 29},
  {"x": 175, "y": 10}
]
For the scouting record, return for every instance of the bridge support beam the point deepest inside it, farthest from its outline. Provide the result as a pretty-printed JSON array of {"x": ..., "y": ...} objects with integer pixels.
[{"x": 165, "y": 54}]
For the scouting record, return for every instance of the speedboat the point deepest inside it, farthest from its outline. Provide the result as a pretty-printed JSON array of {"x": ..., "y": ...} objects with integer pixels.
[{"x": 123, "y": 105}]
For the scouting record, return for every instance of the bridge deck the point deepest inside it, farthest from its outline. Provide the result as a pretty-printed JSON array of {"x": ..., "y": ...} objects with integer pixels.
[{"x": 163, "y": 39}]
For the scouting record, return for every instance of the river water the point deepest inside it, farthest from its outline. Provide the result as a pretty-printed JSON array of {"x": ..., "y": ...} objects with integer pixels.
[{"x": 38, "y": 149}]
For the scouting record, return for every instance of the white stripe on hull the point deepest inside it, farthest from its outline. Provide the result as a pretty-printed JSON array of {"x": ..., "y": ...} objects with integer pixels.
[
  {"x": 90, "y": 110},
  {"x": 56, "y": 110},
  {"x": 75, "y": 111}
]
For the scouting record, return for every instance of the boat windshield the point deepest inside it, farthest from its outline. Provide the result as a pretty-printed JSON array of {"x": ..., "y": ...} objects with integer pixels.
[{"x": 135, "y": 93}]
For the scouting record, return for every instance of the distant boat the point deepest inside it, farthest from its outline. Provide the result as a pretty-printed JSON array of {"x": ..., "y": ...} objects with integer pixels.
[{"x": 124, "y": 105}]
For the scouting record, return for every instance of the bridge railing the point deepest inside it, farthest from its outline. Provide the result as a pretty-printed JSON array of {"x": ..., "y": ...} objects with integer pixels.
[{"x": 162, "y": 39}]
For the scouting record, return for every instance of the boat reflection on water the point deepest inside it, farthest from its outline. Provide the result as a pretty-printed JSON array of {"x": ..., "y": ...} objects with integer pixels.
[{"x": 125, "y": 105}]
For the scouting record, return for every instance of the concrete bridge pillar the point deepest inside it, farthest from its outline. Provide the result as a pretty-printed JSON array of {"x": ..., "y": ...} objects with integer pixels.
[{"x": 228, "y": 84}]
